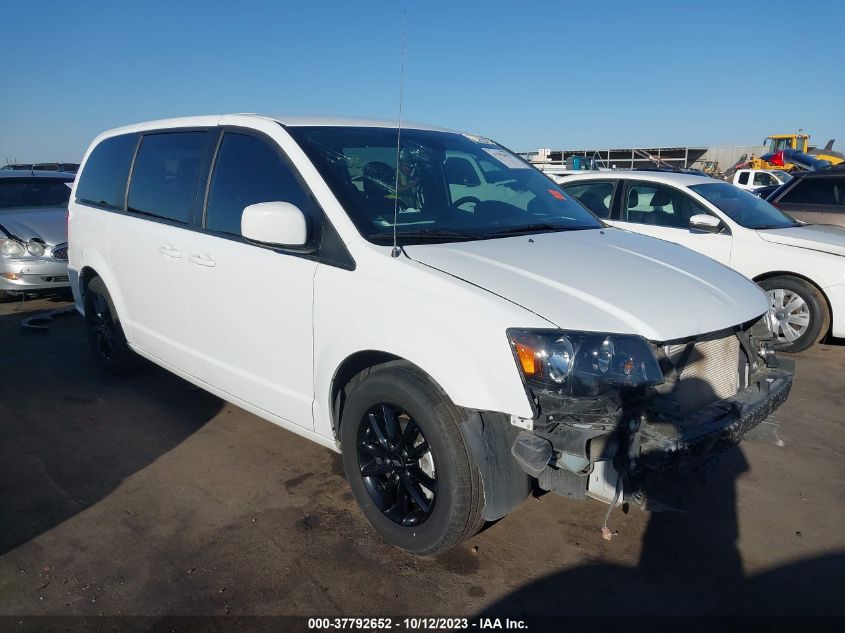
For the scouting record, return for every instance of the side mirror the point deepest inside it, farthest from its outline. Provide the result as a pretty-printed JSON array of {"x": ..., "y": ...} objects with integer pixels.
[
  {"x": 705, "y": 222},
  {"x": 276, "y": 223}
]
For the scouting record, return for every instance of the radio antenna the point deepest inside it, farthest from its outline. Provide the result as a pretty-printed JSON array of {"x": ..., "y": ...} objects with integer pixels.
[{"x": 396, "y": 251}]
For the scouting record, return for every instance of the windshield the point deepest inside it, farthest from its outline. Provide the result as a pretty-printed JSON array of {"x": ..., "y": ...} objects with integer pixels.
[
  {"x": 743, "y": 207},
  {"x": 783, "y": 175},
  {"x": 33, "y": 192},
  {"x": 449, "y": 186}
]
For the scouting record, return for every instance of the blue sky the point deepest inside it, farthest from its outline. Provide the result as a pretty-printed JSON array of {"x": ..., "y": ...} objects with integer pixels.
[{"x": 529, "y": 74}]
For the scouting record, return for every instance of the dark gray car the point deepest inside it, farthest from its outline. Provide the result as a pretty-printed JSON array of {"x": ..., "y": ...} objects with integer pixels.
[{"x": 814, "y": 197}]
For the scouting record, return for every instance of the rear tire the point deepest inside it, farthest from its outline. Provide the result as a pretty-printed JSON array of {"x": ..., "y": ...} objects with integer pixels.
[
  {"x": 798, "y": 313},
  {"x": 422, "y": 501},
  {"x": 105, "y": 333}
]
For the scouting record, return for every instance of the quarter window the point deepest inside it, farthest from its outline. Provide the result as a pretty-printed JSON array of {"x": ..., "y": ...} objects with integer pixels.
[
  {"x": 103, "y": 181},
  {"x": 248, "y": 170},
  {"x": 596, "y": 196},
  {"x": 166, "y": 175}
]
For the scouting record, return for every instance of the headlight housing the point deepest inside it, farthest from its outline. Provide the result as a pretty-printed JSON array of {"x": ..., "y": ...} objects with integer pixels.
[
  {"x": 35, "y": 247},
  {"x": 583, "y": 363},
  {"x": 12, "y": 248}
]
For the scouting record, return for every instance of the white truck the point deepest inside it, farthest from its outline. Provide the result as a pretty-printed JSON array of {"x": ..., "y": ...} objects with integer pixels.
[{"x": 752, "y": 179}]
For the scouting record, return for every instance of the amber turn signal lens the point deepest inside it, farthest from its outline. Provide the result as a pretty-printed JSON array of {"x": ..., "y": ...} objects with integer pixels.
[{"x": 527, "y": 359}]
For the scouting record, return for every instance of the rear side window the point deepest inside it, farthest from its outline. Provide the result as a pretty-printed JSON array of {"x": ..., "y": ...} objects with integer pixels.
[
  {"x": 166, "y": 175},
  {"x": 103, "y": 181},
  {"x": 743, "y": 178},
  {"x": 824, "y": 190},
  {"x": 248, "y": 170},
  {"x": 596, "y": 196}
]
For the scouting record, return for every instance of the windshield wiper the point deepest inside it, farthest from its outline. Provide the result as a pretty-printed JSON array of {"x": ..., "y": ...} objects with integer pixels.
[
  {"x": 429, "y": 234},
  {"x": 537, "y": 228}
]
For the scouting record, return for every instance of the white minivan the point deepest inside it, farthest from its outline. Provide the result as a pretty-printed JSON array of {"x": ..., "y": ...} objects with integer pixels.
[{"x": 422, "y": 301}]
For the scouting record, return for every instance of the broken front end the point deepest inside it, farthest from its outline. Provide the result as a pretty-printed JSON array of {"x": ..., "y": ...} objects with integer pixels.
[{"x": 611, "y": 410}]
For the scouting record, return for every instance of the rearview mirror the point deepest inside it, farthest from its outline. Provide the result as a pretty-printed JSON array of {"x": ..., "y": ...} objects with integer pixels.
[
  {"x": 276, "y": 223},
  {"x": 705, "y": 222}
]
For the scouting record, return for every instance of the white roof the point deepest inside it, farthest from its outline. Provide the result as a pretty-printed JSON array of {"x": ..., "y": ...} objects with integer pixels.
[
  {"x": 677, "y": 178},
  {"x": 291, "y": 121}
]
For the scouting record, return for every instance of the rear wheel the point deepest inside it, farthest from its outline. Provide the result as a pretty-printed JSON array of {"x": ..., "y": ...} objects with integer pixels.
[
  {"x": 407, "y": 464},
  {"x": 105, "y": 333},
  {"x": 798, "y": 313}
]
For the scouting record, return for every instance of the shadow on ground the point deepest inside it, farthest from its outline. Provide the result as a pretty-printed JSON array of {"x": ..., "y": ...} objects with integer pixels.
[
  {"x": 70, "y": 434},
  {"x": 689, "y": 565}
]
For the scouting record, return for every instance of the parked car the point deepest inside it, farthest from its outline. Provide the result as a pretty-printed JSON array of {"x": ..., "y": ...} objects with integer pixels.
[
  {"x": 753, "y": 179},
  {"x": 815, "y": 197},
  {"x": 33, "y": 231},
  {"x": 70, "y": 168},
  {"x": 455, "y": 337},
  {"x": 800, "y": 267}
]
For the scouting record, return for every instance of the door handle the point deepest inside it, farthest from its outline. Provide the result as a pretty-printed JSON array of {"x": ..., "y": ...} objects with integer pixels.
[
  {"x": 168, "y": 251},
  {"x": 203, "y": 260}
]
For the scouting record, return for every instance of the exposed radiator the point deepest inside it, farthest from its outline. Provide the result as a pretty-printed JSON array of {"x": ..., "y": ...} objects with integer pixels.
[{"x": 710, "y": 373}]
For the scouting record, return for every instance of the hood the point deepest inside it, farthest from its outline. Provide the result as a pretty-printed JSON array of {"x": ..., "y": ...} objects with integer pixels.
[
  {"x": 605, "y": 280},
  {"x": 48, "y": 223},
  {"x": 817, "y": 237}
]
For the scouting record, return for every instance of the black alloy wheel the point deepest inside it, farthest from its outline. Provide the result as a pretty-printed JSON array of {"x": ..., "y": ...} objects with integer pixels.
[
  {"x": 105, "y": 333},
  {"x": 397, "y": 465},
  {"x": 102, "y": 328}
]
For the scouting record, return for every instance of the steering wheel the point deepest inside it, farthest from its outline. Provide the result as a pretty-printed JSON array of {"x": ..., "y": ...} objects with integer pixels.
[{"x": 464, "y": 200}]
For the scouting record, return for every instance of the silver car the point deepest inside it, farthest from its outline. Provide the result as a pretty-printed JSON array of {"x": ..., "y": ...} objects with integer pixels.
[{"x": 33, "y": 231}]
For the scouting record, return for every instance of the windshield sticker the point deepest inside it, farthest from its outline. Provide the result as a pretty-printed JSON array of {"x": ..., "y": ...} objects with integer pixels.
[
  {"x": 478, "y": 139},
  {"x": 557, "y": 194},
  {"x": 506, "y": 158}
]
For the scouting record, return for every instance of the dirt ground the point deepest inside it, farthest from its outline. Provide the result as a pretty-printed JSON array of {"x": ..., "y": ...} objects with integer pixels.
[{"x": 144, "y": 495}]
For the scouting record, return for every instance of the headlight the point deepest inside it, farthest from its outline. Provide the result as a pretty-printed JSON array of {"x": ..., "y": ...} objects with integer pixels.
[
  {"x": 583, "y": 363},
  {"x": 35, "y": 248},
  {"x": 12, "y": 248}
]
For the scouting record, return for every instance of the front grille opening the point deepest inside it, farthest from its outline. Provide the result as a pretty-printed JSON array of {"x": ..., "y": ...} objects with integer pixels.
[{"x": 699, "y": 373}]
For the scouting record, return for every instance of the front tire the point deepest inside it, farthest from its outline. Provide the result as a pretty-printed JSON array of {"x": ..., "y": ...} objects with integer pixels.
[
  {"x": 407, "y": 464},
  {"x": 105, "y": 333},
  {"x": 798, "y": 313}
]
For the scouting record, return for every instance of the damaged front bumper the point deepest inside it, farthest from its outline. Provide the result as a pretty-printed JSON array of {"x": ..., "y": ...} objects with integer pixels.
[{"x": 608, "y": 455}]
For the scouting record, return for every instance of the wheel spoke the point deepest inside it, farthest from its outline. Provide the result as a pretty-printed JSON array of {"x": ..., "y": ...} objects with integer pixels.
[
  {"x": 418, "y": 476},
  {"x": 371, "y": 449},
  {"x": 409, "y": 434},
  {"x": 800, "y": 320},
  {"x": 390, "y": 423},
  {"x": 374, "y": 425},
  {"x": 419, "y": 450},
  {"x": 415, "y": 493},
  {"x": 793, "y": 305},
  {"x": 788, "y": 333},
  {"x": 374, "y": 470},
  {"x": 779, "y": 298}
]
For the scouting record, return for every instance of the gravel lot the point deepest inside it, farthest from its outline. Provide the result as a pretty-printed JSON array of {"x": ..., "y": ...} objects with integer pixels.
[{"x": 144, "y": 495}]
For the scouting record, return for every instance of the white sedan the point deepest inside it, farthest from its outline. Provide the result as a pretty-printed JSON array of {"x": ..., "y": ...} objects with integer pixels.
[{"x": 800, "y": 266}]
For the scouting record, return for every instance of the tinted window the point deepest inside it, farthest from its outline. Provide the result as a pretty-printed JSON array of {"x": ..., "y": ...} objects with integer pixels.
[
  {"x": 596, "y": 196},
  {"x": 166, "y": 175},
  {"x": 103, "y": 181},
  {"x": 816, "y": 191},
  {"x": 743, "y": 178},
  {"x": 247, "y": 171},
  {"x": 33, "y": 192}
]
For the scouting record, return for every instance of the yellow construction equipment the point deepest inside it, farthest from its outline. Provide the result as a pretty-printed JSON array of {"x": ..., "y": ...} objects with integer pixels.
[{"x": 779, "y": 142}]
